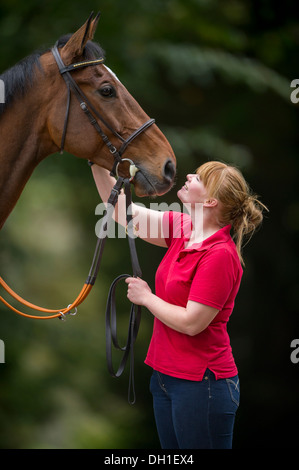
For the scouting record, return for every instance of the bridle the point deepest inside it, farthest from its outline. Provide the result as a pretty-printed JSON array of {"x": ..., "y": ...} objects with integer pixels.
[
  {"x": 135, "y": 313},
  {"x": 91, "y": 112},
  {"x": 71, "y": 309}
]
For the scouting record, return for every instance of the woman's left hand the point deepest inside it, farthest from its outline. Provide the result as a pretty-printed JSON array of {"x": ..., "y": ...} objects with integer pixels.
[{"x": 138, "y": 290}]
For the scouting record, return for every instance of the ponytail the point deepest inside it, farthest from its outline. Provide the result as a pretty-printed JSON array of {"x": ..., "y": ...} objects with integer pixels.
[{"x": 245, "y": 222}]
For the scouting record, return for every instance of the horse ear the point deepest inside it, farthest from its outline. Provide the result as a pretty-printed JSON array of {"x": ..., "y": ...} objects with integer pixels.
[
  {"x": 75, "y": 45},
  {"x": 94, "y": 24}
]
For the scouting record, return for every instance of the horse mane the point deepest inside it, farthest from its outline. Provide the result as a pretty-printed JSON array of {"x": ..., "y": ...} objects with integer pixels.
[
  {"x": 21, "y": 77},
  {"x": 18, "y": 79}
]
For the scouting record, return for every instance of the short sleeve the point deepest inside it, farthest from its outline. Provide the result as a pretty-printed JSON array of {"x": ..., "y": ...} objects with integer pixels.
[
  {"x": 175, "y": 225},
  {"x": 214, "y": 278},
  {"x": 167, "y": 226}
]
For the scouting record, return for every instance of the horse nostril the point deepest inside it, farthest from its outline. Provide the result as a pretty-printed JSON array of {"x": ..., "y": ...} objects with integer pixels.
[{"x": 169, "y": 171}]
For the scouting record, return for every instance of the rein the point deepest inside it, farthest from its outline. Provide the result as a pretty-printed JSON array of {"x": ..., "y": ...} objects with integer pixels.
[
  {"x": 110, "y": 315},
  {"x": 71, "y": 309}
]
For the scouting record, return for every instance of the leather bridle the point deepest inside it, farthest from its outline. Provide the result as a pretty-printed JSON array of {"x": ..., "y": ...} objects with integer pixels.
[
  {"x": 91, "y": 112},
  {"x": 135, "y": 312}
]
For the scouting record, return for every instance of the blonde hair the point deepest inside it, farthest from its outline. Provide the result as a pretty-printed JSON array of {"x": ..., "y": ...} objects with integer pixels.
[{"x": 238, "y": 206}]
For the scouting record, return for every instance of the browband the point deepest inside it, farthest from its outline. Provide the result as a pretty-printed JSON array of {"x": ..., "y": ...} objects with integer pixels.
[{"x": 80, "y": 65}]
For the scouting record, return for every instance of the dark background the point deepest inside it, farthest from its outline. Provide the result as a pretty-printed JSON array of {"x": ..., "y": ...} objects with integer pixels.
[{"x": 216, "y": 76}]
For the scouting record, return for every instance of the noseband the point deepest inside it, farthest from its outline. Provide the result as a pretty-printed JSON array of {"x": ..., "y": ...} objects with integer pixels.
[{"x": 91, "y": 112}]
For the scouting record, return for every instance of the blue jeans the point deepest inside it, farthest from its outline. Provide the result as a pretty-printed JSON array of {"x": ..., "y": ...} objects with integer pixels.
[{"x": 195, "y": 414}]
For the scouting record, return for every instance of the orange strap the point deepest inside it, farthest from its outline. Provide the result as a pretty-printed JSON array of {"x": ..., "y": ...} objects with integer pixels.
[
  {"x": 93, "y": 270},
  {"x": 56, "y": 313}
]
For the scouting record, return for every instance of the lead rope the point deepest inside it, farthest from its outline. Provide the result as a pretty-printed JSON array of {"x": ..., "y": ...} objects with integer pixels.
[
  {"x": 60, "y": 313},
  {"x": 135, "y": 312}
]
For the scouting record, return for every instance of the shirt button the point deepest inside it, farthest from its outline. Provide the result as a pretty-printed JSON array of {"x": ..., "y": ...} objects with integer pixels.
[{"x": 206, "y": 377}]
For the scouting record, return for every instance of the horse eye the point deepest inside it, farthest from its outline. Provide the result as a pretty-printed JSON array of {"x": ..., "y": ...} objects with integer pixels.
[{"x": 107, "y": 91}]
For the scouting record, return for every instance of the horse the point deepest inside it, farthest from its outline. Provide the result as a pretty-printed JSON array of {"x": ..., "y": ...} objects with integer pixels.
[{"x": 39, "y": 118}]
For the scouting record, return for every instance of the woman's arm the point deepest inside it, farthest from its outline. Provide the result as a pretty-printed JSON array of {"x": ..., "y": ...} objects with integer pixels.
[
  {"x": 190, "y": 320},
  {"x": 147, "y": 222}
]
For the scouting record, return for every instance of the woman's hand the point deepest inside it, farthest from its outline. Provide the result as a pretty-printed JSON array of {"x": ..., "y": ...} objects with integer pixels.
[
  {"x": 191, "y": 320},
  {"x": 138, "y": 290}
]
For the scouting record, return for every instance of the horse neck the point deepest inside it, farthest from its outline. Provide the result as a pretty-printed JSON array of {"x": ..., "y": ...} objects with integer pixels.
[{"x": 22, "y": 148}]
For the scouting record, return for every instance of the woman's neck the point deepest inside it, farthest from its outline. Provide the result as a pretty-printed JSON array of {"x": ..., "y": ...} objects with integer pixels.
[{"x": 203, "y": 226}]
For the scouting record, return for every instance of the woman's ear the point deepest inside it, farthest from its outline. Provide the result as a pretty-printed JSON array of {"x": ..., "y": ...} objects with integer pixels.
[{"x": 211, "y": 202}]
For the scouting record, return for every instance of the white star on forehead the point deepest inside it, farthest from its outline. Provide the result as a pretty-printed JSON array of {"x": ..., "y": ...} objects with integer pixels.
[{"x": 112, "y": 73}]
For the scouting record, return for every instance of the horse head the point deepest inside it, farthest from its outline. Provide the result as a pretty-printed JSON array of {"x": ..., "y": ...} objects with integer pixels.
[{"x": 114, "y": 109}]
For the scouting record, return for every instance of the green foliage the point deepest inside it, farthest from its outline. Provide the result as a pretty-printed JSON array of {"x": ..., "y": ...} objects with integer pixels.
[{"x": 216, "y": 76}]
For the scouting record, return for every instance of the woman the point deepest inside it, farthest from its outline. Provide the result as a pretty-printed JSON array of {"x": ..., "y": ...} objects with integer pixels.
[{"x": 195, "y": 383}]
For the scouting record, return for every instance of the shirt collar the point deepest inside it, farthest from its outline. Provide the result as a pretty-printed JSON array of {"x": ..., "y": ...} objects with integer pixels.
[{"x": 221, "y": 236}]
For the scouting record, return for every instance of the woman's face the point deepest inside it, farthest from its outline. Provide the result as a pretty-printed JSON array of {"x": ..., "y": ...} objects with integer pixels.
[{"x": 193, "y": 190}]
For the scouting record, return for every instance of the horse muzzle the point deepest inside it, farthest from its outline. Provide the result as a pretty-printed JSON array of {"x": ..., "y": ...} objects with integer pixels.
[{"x": 149, "y": 183}]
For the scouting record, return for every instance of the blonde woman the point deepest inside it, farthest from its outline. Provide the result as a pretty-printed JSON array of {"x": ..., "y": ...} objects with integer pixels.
[{"x": 195, "y": 384}]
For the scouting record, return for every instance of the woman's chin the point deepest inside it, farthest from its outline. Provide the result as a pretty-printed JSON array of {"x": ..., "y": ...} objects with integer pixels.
[{"x": 180, "y": 195}]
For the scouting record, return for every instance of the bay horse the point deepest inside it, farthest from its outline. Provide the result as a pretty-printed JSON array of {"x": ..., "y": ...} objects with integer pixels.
[{"x": 39, "y": 118}]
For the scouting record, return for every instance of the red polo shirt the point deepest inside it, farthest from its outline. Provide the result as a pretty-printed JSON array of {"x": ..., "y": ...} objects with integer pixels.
[{"x": 210, "y": 273}]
